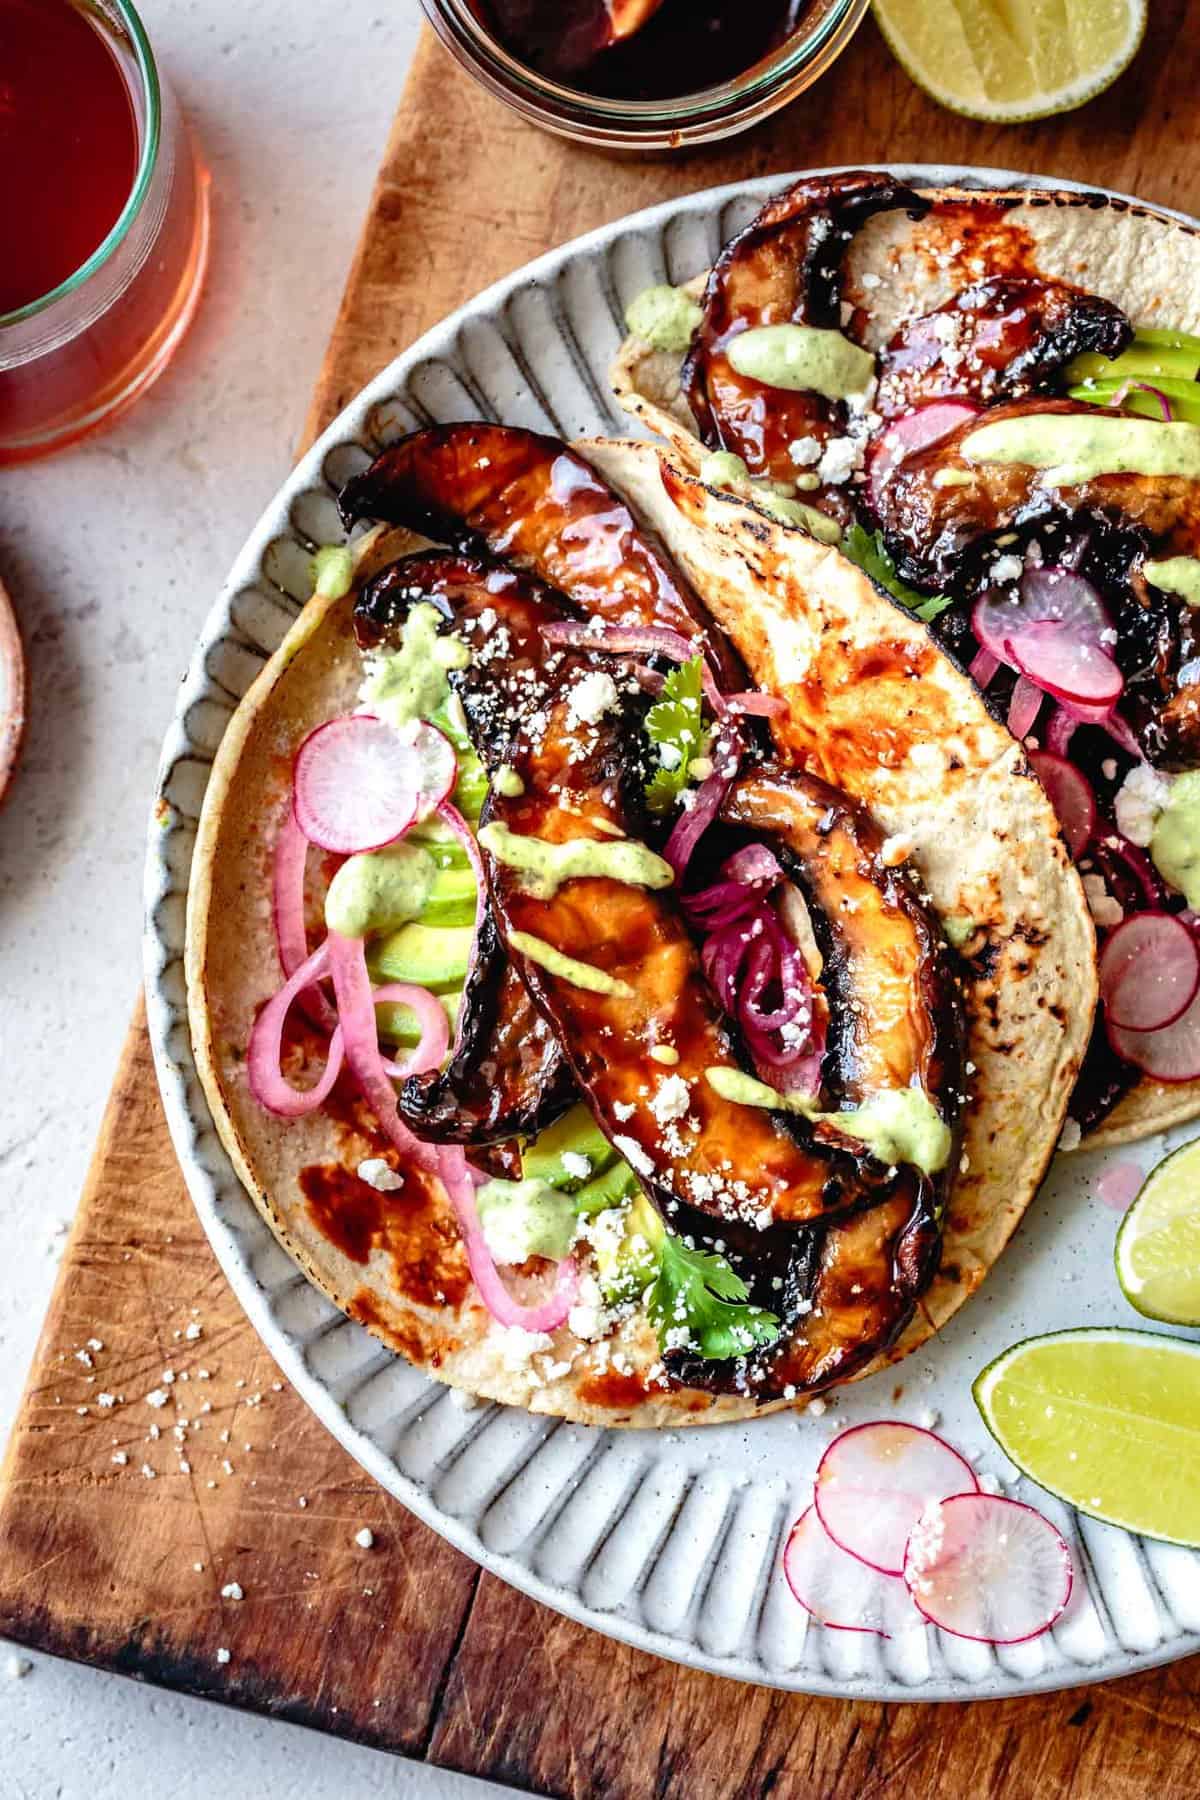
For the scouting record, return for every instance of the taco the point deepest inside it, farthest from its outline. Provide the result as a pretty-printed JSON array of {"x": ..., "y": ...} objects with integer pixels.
[
  {"x": 990, "y": 400},
  {"x": 628, "y": 966}
]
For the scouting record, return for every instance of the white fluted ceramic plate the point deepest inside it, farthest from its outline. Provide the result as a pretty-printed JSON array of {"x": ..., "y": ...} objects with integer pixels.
[{"x": 669, "y": 1540}]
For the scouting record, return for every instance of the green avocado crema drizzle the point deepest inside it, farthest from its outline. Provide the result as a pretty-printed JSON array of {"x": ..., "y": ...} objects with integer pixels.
[
  {"x": 546, "y": 866},
  {"x": 722, "y": 469},
  {"x": 802, "y": 358},
  {"x": 579, "y": 974},
  {"x": 1175, "y": 845},
  {"x": 899, "y": 1125},
  {"x": 378, "y": 890},
  {"x": 410, "y": 683},
  {"x": 1176, "y": 575},
  {"x": 1070, "y": 448},
  {"x": 663, "y": 317},
  {"x": 525, "y": 1218}
]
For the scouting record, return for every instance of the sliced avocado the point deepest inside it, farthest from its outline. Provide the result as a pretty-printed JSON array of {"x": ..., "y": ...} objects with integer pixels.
[
  {"x": 576, "y": 1132},
  {"x": 626, "y": 1270},
  {"x": 1183, "y": 397},
  {"x": 431, "y": 956},
  {"x": 616, "y": 1184},
  {"x": 470, "y": 790},
  {"x": 451, "y": 898},
  {"x": 398, "y": 1025},
  {"x": 1143, "y": 361}
]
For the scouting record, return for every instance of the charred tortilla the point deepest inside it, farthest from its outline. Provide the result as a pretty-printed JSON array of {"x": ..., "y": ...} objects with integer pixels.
[
  {"x": 873, "y": 708},
  {"x": 1090, "y": 262}
]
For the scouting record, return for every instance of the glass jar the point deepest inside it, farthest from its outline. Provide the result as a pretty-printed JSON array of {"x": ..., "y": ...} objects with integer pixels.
[
  {"x": 74, "y": 358},
  {"x": 716, "y": 112}
]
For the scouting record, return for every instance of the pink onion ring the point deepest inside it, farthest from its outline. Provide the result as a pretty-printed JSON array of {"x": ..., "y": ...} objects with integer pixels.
[
  {"x": 548, "y": 1314},
  {"x": 983, "y": 666},
  {"x": 638, "y": 640},
  {"x": 1164, "y": 404},
  {"x": 760, "y": 706},
  {"x": 1060, "y": 730},
  {"x": 430, "y": 1050},
  {"x": 287, "y": 910},
  {"x": 265, "y": 1050},
  {"x": 1024, "y": 706},
  {"x": 450, "y": 815},
  {"x": 356, "y": 1012}
]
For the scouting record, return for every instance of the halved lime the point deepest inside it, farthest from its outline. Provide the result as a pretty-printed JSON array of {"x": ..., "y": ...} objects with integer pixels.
[
  {"x": 1013, "y": 59},
  {"x": 1158, "y": 1245},
  {"x": 1107, "y": 1419}
]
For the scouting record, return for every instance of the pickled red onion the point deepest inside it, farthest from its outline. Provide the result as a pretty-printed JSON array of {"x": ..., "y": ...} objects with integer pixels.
[
  {"x": 638, "y": 640},
  {"x": 1024, "y": 706},
  {"x": 458, "y": 1179},
  {"x": 356, "y": 1013},
  {"x": 450, "y": 815},
  {"x": 264, "y": 1053},
  {"x": 287, "y": 910}
]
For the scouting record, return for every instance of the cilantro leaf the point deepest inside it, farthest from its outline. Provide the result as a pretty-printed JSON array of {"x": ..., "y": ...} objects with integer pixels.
[
  {"x": 698, "y": 1292},
  {"x": 675, "y": 724},
  {"x": 867, "y": 549}
]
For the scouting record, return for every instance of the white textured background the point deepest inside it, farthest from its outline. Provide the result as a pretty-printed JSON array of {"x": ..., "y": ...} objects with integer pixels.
[{"x": 113, "y": 554}]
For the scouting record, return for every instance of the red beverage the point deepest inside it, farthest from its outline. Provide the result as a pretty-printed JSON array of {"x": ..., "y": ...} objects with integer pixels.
[
  {"x": 103, "y": 220},
  {"x": 68, "y": 145}
]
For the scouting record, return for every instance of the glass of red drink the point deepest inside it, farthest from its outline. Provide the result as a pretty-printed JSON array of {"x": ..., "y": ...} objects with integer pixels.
[{"x": 103, "y": 220}]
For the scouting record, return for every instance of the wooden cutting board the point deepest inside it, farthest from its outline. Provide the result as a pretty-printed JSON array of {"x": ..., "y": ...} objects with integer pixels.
[{"x": 120, "y": 1524}]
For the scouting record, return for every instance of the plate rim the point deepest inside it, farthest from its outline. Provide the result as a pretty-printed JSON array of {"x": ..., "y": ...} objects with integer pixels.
[{"x": 171, "y": 1071}]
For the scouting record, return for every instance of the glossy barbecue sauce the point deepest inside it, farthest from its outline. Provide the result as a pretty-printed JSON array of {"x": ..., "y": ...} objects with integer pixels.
[
  {"x": 68, "y": 145},
  {"x": 682, "y": 48}
]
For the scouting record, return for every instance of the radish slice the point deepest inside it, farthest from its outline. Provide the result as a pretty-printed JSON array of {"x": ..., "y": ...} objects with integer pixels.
[
  {"x": 437, "y": 762},
  {"x": 1066, "y": 598},
  {"x": 1067, "y": 666},
  {"x": 1120, "y": 1186},
  {"x": 357, "y": 784},
  {"x": 914, "y": 431},
  {"x": 1024, "y": 706},
  {"x": 873, "y": 1483},
  {"x": 840, "y": 1591},
  {"x": 1149, "y": 972},
  {"x": 986, "y": 1568},
  {"x": 1171, "y": 1054},
  {"x": 1070, "y": 794}
]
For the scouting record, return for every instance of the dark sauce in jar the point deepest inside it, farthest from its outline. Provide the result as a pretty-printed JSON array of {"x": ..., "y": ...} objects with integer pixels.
[{"x": 682, "y": 48}]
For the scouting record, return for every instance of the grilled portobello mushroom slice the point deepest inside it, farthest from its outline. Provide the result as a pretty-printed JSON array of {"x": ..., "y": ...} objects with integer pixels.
[
  {"x": 999, "y": 339},
  {"x": 533, "y": 502},
  {"x": 507, "y": 1077},
  {"x": 785, "y": 268},
  {"x": 940, "y": 511}
]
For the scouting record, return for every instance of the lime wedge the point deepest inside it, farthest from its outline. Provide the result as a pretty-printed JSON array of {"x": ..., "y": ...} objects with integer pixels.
[
  {"x": 1012, "y": 59},
  {"x": 1158, "y": 1245},
  {"x": 1107, "y": 1419}
]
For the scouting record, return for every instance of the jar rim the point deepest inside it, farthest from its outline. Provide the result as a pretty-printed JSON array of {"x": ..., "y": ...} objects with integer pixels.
[
  {"x": 598, "y": 118},
  {"x": 126, "y": 16}
]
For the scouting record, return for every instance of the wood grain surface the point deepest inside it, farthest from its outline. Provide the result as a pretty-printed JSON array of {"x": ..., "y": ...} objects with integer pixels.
[{"x": 121, "y": 1523}]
